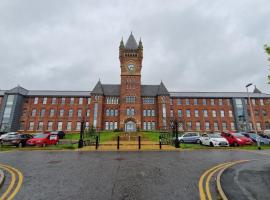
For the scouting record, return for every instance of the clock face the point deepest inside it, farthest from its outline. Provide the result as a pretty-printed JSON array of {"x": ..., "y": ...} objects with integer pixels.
[{"x": 131, "y": 67}]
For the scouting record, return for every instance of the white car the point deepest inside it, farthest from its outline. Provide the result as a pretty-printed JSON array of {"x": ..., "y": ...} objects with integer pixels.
[
  {"x": 214, "y": 140},
  {"x": 7, "y": 134}
]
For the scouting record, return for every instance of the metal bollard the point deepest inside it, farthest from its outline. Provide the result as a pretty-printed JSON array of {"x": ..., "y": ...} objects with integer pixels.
[
  {"x": 139, "y": 142},
  {"x": 159, "y": 142},
  {"x": 97, "y": 142},
  {"x": 118, "y": 141}
]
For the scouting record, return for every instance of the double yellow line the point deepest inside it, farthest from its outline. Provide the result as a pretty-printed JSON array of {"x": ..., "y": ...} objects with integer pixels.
[
  {"x": 15, "y": 182},
  {"x": 204, "y": 182}
]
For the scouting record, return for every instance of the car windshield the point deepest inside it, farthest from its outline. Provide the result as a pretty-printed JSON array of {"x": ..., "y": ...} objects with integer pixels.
[
  {"x": 40, "y": 136},
  {"x": 238, "y": 135},
  {"x": 214, "y": 136}
]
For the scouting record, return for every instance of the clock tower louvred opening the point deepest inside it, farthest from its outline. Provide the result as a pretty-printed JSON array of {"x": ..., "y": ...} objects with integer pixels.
[{"x": 131, "y": 56}]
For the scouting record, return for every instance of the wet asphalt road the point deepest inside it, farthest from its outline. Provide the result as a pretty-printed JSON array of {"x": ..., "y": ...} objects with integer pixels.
[{"x": 115, "y": 175}]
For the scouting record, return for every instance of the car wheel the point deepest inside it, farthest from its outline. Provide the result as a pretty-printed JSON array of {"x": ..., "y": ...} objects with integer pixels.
[
  {"x": 235, "y": 144},
  {"x": 44, "y": 145},
  {"x": 198, "y": 141},
  {"x": 20, "y": 145},
  {"x": 201, "y": 142},
  {"x": 56, "y": 143},
  {"x": 211, "y": 144},
  {"x": 262, "y": 143},
  {"x": 181, "y": 141}
]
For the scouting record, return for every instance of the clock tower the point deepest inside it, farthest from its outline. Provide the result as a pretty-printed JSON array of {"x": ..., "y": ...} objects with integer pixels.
[{"x": 131, "y": 56}]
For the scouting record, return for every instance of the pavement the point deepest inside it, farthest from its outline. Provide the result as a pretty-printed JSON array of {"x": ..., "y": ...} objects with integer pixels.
[
  {"x": 115, "y": 175},
  {"x": 248, "y": 181}
]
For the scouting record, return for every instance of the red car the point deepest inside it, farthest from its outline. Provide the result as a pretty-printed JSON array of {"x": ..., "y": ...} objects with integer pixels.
[
  {"x": 43, "y": 140},
  {"x": 236, "y": 139}
]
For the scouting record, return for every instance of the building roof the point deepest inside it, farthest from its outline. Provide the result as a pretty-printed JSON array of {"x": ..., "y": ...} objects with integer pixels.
[
  {"x": 98, "y": 89},
  {"x": 131, "y": 43},
  {"x": 58, "y": 93},
  {"x": 219, "y": 94},
  {"x": 162, "y": 90}
]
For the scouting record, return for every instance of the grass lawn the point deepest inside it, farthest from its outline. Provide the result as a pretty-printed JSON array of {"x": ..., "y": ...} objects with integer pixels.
[
  {"x": 104, "y": 136},
  {"x": 152, "y": 136}
]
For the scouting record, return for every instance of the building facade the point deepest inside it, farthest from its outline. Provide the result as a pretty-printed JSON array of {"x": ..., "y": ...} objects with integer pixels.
[{"x": 131, "y": 106}]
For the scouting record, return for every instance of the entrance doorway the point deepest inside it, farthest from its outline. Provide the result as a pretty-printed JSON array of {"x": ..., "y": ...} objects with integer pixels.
[{"x": 130, "y": 126}]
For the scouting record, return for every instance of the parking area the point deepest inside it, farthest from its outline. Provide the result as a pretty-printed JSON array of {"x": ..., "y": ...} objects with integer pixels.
[{"x": 116, "y": 175}]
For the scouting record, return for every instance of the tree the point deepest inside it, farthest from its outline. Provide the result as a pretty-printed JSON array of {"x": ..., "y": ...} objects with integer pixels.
[{"x": 267, "y": 50}]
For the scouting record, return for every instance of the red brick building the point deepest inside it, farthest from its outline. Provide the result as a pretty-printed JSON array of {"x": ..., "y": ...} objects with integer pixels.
[{"x": 130, "y": 105}]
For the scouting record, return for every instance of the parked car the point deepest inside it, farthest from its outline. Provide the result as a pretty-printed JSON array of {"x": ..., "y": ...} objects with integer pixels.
[
  {"x": 18, "y": 140},
  {"x": 213, "y": 140},
  {"x": 7, "y": 134},
  {"x": 236, "y": 139},
  {"x": 43, "y": 140},
  {"x": 190, "y": 137},
  {"x": 255, "y": 138},
  {"x": 61, "y": 134}
]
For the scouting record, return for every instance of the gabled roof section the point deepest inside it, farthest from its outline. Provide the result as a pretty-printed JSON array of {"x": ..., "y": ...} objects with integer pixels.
[
  {"x": 98, "y": 89},
  {"x": 162, "y": 90},
  {"x": 18, "y": 90},
  {"x": 149, "y": 90},
  {"x": 111, "y": 90},
  {"x": 256, "y": 90},
  {"x": 131, "y": 43}
]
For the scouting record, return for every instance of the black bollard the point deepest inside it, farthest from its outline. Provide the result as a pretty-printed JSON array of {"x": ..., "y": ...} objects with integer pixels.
[
  {"x": 96, "y": 142},
  {"x": 139, "y": 142},
  {"x": 159, "y": 142},
  {"x": 118, "y": 141}
]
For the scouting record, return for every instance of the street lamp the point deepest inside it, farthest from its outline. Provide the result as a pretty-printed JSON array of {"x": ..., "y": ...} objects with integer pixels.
[{"x": 252, "y": 116}]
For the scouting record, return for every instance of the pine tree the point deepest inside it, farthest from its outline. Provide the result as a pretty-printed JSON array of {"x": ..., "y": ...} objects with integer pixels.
[{"x": 267, "y": 50}]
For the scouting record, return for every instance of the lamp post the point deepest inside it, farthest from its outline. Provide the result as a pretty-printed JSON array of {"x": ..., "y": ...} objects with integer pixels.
[{"x": 252, "y": 117}]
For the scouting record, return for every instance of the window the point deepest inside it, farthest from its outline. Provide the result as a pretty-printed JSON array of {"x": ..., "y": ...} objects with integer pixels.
[
  {"x": 214, "y": 113},
  {"x": 130, "y": 111},
  {"x": 220, "y": 102},
  {"x": 115, "y": 112},
  {"x": 179, "y": 113},
  {"x": 50, "y": 126},
  {"x": 69, "y": 124},
  {"x": 111, "y": 100},
  {"x": 256, "y": 113},
  {"x": 264, "y": 112},
  {"x": 212, "y": 102},
  {"x": 61, "y": 113},
  {"x": 59, "y": 126},
  {"x": 196, "y": 113},
  {"x": 187, "y": 102},
  {"x": 204, "y": 102},
  {"x": 111, "y": 125},
  {"x": 144, "y": 113},
  {"x": 80, "y": 100},
  {"x": 228, "y": 102},
  {"x": 253, "y": 101},
  {"x": 187, "y": 113},
  {"x": 40, "y": 126},
  {"x": 261, "y": 102},
  {"x": 63, "y": 100},
  {"x": 189, "y": 125},
  {"x": 51, "y": 112},
  {"x": 70, "y": 113},
  {"x": 53, "y": 100},
  {"x": 148, "y": 113},
  {"x": 78, "y": 126},
  {"x": 153, "y": 125},
  {"x": 258, "y": 124},
  {"x": 31, "y": 126},
  {"x": 171, "y": 101},
  {"x": 95, "y": 115},
  {"x": 106, "y": 125},
  {"x": 79, "y": 112},
  {"x": 107, "y": 112},
  {"x": 232, "y": 126},
  {"x": 111, "y": 112},
  {"x": 88, "y": 100},
  {"x": 36, "y": 100},
  {"x": 215, "y": 126},
  {"x": 148, "y": 100},
  {"x": 130, "y": 99},
  {"x": 222, "y": 113},
  {"x": 88, "y": 113},
  {"x": 44, "y": 100},
  {"x": 34, "y": 111},
  {"x": 179, "y": 101},
  {"x": 198, "y": 126},
  {"x": 205, "y": 113},
  {"x": 115, "y": 125},
  {"x": 207, "y": 126},
  {"x": 87, "y": 125},
  {"x": 195, "y": 102},
  {"x": 42, "y": 112},
  {"x": 224, "y": 126},
  {"x": 71, "y": 101},
  {"x": 230, "y": 113},
  {"x": 144, "y": 126},
  {"x": 171, "y": 113}
]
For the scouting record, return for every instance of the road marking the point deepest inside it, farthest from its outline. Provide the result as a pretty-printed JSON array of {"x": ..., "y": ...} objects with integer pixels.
[
  {"x": 208, "y": 174},
  {"x": 12, "y": 189}
]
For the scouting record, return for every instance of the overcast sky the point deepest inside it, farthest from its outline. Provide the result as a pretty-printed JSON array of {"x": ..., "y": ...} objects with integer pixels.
[{"x": 192, "y": 45}]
